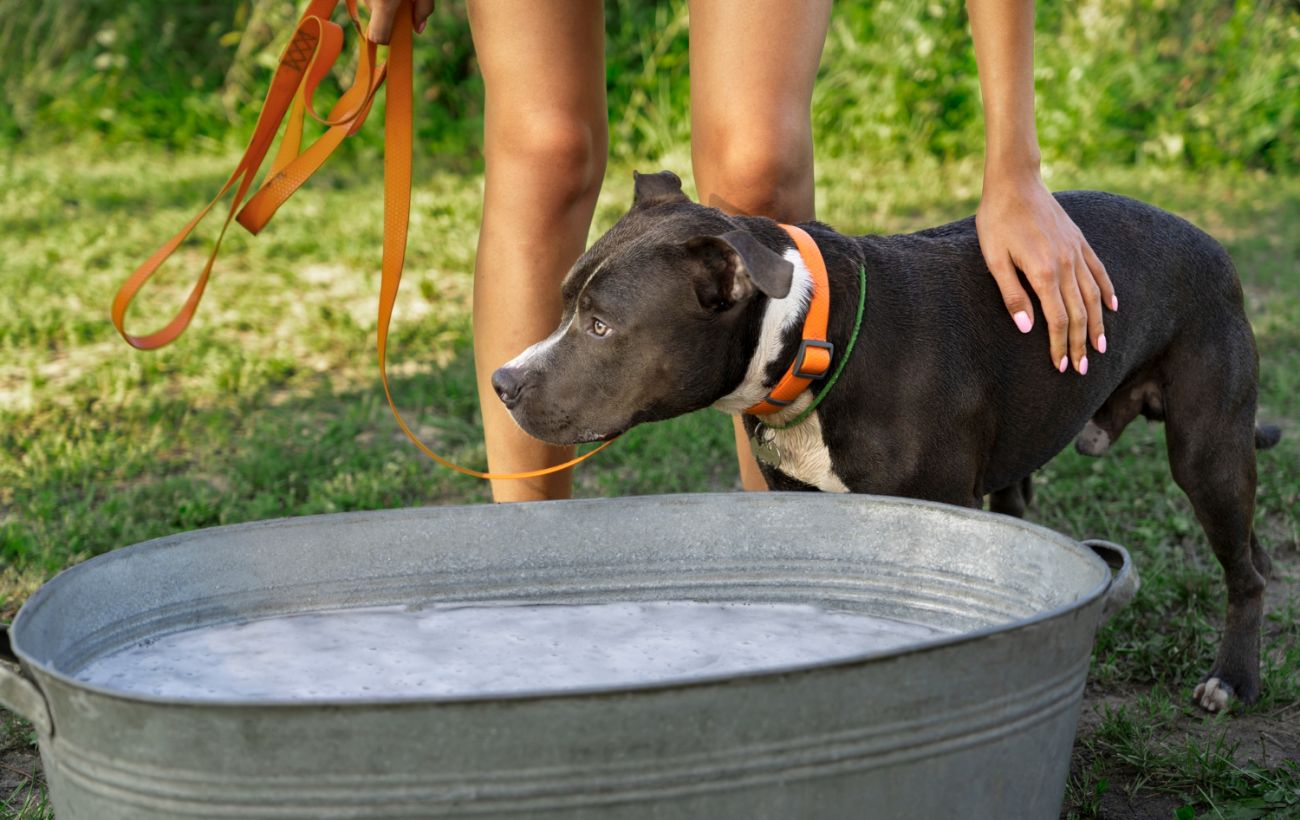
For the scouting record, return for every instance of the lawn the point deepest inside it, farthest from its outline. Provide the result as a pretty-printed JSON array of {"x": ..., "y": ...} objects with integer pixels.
[{"x": 270, "y": 406}]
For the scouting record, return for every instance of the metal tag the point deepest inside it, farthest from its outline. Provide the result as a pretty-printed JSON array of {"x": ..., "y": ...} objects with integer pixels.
[{"x": 763, "y": 445}]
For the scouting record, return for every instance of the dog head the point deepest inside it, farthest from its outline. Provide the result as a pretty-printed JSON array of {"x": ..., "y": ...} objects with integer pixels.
[{"x": 660, "y": 318}]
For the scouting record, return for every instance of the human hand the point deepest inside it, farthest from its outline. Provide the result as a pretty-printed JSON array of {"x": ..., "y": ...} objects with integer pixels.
[
  {"x": 1021, "y": 225},
  {"x": 383, "y": 12}
]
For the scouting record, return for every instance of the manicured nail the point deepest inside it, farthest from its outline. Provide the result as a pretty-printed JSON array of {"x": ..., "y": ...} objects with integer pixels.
[
  {"x": 419, "y": 27},
  {"x": 1065, "y": 362},
  {"x": 1083, "y": 366},
  {"x": 1023, "y": 321},
  {"x": 1114, "y": 302},
  {"x": 1101, "y": 343}
]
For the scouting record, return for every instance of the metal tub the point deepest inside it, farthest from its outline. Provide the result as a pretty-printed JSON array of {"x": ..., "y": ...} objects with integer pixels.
[{"x": 978, "y": 724}]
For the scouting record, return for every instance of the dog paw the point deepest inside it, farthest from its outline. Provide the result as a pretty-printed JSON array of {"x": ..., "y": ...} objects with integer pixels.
[{"x": 1213, "y": 695}]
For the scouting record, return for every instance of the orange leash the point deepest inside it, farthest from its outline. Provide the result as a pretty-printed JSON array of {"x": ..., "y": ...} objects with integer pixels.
[{"x": 312, "y": 51}]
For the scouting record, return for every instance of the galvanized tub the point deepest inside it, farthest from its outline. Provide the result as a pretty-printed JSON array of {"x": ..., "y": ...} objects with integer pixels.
[{"x": 973, "y": 725}]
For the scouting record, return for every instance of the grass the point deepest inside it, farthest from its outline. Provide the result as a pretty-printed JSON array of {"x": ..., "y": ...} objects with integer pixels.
[
  {"x": 1202, "y": 767},
  {"x": 24, "y": 798},
  {"x": 270, "y": 406}
]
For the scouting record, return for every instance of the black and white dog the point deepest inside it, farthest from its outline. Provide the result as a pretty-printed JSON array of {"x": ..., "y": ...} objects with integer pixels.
[{"x": 680, "y": 307}]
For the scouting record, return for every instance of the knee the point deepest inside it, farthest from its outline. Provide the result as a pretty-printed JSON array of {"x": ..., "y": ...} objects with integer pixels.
[
  {"x": 760, "y": 168},
  {"x": 564, "y": 153}
]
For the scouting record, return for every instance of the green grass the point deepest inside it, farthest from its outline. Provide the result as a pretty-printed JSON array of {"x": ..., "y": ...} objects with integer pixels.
[
  {"x": 27, "y": 801},
  {"x": 270, "y": 406},
  {"x": 1203, "y": 763}
]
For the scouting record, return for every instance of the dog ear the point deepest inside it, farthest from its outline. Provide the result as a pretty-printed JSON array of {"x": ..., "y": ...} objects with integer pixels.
[
  {"x": 656, "y": 189},
  {"x": 733, "y": 266}
]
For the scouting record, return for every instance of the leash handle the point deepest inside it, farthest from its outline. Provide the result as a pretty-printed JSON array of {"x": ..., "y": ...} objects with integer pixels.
[{"x": 306, "y": 60}]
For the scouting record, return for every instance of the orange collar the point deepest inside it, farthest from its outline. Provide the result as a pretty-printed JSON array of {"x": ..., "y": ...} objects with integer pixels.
[{"x": 815, "y": 353}]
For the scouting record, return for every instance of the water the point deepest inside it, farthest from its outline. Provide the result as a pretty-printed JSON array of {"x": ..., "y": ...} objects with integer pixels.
[{"x": 450, "y": 650}]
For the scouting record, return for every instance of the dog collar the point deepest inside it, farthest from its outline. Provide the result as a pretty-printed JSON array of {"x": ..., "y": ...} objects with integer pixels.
[{"x": 815, "y": 353}]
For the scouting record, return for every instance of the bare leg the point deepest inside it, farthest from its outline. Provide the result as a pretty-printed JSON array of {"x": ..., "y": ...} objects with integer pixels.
[
  {"x": 545, "y": 143},
  {"x": 753, "y": 63}
]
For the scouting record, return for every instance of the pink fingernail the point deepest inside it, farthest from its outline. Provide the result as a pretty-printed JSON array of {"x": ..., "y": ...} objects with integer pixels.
[
  {"x": 1065, "y": 362},
  {"x": 1114, "y": 303},
  {"x": 1023, "y": 321},
  {"x": 419, "y": 27},
  {"x": 1083, "y": 366},
  {"x": 1101, "y": 343}
]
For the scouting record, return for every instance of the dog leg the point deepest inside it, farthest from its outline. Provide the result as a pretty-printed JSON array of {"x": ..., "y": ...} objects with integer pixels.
[
  {"x": 1211, "y": 437},
  {"x": 1013, "y": 500}
]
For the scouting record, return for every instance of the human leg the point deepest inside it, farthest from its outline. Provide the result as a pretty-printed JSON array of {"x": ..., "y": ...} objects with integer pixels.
[
  {"x": 753, "y": 63},
  {"x": 545, "y": 145}
]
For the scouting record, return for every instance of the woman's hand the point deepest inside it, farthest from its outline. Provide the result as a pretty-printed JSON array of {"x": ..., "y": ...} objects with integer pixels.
[
  {"x": 1022, "y": 226},
  {"x": 382, "y": 13}
]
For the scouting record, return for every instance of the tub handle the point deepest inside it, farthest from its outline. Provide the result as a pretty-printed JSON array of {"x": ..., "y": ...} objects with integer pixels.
[
  {"x": 18, "y": 692},
  {"x": 1125, "y": 583}
]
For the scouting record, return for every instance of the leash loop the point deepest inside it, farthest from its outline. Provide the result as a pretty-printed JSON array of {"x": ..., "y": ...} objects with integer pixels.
[{"x": 305, "y": 61}]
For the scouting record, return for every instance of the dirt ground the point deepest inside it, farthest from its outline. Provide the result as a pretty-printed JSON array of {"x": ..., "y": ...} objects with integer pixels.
[
  {"x": 20, "y": 767},
  {"x": 1265, "y": 740}
]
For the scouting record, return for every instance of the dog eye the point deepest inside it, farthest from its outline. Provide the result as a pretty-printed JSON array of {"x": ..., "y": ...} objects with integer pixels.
[{"x": 599, "y": 328}]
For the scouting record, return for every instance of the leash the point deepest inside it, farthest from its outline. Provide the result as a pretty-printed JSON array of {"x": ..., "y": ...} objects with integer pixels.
[{"x": 316, "y": 44}]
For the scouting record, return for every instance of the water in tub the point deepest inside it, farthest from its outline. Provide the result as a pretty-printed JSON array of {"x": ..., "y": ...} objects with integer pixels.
[{"x": 488, "y": 650}]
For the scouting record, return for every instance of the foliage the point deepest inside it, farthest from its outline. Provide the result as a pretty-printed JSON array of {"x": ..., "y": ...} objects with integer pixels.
[
  {"x": 181, "y": 74},
  {"x": 129, "y": 70},
  {"x": 1200, "y": 83}
]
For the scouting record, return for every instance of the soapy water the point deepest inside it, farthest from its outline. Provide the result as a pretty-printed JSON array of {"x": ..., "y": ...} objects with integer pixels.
[{"x": 458, "y": 650}]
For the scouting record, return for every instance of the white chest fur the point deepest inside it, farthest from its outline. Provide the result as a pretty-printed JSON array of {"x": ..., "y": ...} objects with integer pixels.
[{"x": 804, "y": 455}]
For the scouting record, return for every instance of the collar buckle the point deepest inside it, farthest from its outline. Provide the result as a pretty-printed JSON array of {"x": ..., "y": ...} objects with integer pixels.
[{"x": 816, "y": 366}]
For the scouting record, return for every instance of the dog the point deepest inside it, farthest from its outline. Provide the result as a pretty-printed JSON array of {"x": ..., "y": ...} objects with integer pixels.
[{"x": 679, "y": 307}]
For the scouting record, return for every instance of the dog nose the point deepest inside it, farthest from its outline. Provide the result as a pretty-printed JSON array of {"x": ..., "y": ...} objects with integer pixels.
[{"x": 508, "y": 384}]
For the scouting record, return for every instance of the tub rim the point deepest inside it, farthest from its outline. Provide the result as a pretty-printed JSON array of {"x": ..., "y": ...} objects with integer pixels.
[{"x": 38, "y": 599}]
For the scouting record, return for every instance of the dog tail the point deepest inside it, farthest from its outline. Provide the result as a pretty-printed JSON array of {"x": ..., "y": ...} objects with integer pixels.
[{"x": 1267, "y": 435}]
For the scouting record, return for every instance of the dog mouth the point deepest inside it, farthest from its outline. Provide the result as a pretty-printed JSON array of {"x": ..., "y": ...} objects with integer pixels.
[
  {"x": 563, "y": 434},
  {"x": 588, "y": 437}
]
